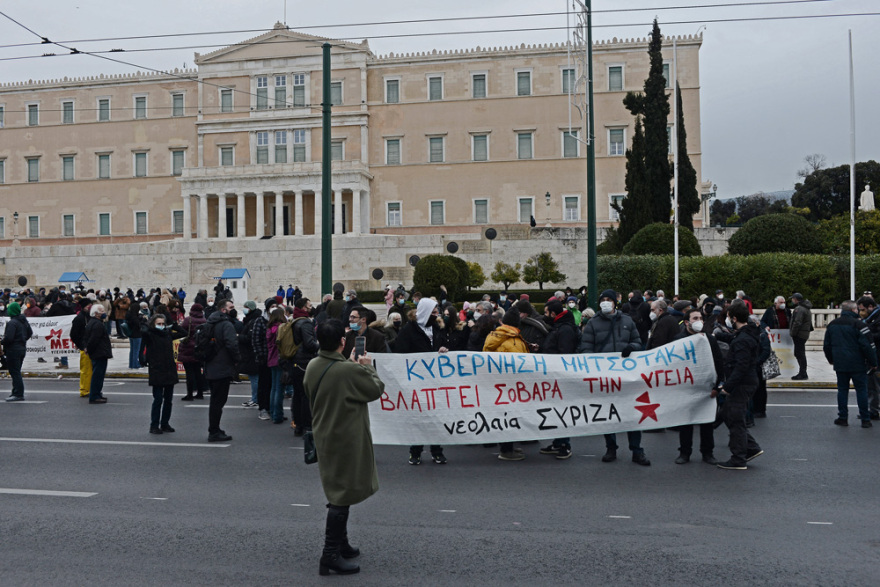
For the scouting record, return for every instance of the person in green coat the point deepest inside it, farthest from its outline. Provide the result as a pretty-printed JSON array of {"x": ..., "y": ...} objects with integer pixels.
[{"x": 339, "y": 391}]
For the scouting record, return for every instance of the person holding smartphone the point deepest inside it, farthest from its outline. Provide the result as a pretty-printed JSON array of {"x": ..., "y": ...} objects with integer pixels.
[{"x": 373, "y": 340}]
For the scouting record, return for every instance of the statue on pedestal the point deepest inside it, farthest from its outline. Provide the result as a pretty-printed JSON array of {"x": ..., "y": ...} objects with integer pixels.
[{"x": 867, "y": 200}]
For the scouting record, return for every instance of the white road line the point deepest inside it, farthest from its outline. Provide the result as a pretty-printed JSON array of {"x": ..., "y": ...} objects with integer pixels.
[
  {"x": 156, "y": 498},
  {"x": 821, "y": 523},
  {"x": 119, "y": 442},
  {"x": 46, "y": 492},
  {"x": 588, "y": 455},
  {"x": 297, "y": 448},
  {"x": 447, "y": 511},
  {"x": 621, "y": 517},
  {"x": 799, "y": 459},
  {"x": 788, "y": 416},
  {"x": 27, "y": 401},
  {"x": 300, "y": 505}
]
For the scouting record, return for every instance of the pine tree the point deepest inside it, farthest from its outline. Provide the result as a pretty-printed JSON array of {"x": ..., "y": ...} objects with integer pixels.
[
  {"x": 688, "y": 195},
  {"x": 635, "y": 210},
  {"x": 653, "y": 106}
]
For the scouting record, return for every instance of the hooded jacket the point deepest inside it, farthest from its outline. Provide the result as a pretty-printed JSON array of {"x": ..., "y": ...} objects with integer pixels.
[
  {"x": 740, "y": 366},
  {"x": 416, "y": 336},
  {"x": 186, "y": 352},
  {"x": 801, "y": 322},
  {"x": 159, "y": 350},
  {"x": 16, "y": 335},
  {"x": 304, "y": 336},
  {"x": 505, "y": 339},
  {"x": 223, "y": 364},
  {"x": 564, "y": 337},
  {"x": 849, "y": 345},
  {"x": 610, "y": 333}
]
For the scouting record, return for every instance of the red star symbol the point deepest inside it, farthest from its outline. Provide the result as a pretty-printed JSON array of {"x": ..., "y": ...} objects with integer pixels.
[
  {"x": 54, "y": 334},
  {"x": 648, "y": 411}
]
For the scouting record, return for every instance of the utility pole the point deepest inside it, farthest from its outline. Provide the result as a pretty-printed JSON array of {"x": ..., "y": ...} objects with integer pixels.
[{"x": 326, "y": 174}]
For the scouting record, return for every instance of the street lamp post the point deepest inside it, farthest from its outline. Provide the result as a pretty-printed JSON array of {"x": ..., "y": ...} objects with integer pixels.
[
  {"x": 15, "y": 241},
  {"x": 547, "y": 197}
]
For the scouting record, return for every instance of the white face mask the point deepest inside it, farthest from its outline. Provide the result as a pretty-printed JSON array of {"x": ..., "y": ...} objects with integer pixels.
[
  {"x": 728, "y": 322},
  {"x": 571, "y": 304},
  {"x": 477, "y": 315},
  {"x": 697, "y": 326},
  {"x": 653, "y": 316},
  {"x": 246, "y": 310},
  {"x": 720, "y": 296},
  {"x": 661, "y": 298},
  {"x": 782, "y": 306},
  {"x": 606, "y": 307}
]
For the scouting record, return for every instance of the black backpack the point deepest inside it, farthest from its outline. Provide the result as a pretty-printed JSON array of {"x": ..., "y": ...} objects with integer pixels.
[{"x": 205, "y": 345}]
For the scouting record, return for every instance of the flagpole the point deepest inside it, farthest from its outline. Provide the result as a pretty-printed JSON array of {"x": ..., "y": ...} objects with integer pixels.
[
  {"x": 675, "y": 155},
  {"x": 852, "y": 175}
]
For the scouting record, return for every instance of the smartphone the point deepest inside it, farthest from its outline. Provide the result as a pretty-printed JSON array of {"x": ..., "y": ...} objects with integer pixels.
[{"x": 360, "y": 346}]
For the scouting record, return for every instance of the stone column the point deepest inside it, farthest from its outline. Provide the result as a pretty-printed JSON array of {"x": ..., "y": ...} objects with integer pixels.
[
  {"x": 317, "y": 212},
  {"x": 261, "y": 214},
  {"x": 355, "y": 211},
  {"x": 366, "y": 220},
  {"x": 279, "y": 213},
  {"x": 337, "y": 216},
  {"x": 203, "y": 216},
  {"x": 221, "y": 215},
  {"x": 298, "y": 213},
  {"x": 187, "y": 217},
  {"x": 241, "y": 232}
]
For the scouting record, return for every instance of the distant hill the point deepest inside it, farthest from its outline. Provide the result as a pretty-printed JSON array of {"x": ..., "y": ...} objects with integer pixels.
[{"x": 780, "y": 195}]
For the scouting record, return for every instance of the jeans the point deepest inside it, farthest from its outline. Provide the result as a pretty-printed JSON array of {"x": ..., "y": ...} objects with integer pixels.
[
  {"x": 219, "y": 395},
  {"x": 195, "y": 379},
  {"x": 733, "y": 412},
  {"x": 860, "y": 382},
  {"x": 276, "y": 396},
  {"x": 800, "y": 353},
  {"x": 634, "y": 438},
  {"x": 300, "y": 410},
  {"x": 85, "y": 374},
  {"x": 99, "y": 369},
  {"x": 162, "y": 396},
  {"x": 686, "y": 439},
  {"x": 255, "y": 387},
  {"x": 14, "y": 359},
  {"x": 133, "y": 351}
]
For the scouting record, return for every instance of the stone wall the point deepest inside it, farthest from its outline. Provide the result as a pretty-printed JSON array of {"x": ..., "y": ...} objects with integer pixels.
[{"x": 193, "y": 264}]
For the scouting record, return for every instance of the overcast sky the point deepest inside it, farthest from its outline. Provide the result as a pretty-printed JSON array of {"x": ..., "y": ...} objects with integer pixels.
[{"x": 772, "y": 92}]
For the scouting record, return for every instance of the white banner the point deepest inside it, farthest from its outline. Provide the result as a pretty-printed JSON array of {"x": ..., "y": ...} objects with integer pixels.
[
  {"x": 783, "y": 345},
  {"x": 51, "y": 337},
  {"x": 471, "y": 398}
]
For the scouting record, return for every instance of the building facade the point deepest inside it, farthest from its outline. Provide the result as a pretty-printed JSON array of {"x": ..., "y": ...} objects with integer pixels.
[{"x": 428, "y": 143}]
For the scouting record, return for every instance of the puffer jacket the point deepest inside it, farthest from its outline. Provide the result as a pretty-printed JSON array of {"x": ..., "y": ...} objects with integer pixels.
[
  {"x": 740, "y": 367},
  {"x": 848, "y": 344},
  {"x": 186, "y": 353},
  {"x": 612, "y": 333},
  {"x": 801, "y": 320},
  {"x": 505, "y": 339}
]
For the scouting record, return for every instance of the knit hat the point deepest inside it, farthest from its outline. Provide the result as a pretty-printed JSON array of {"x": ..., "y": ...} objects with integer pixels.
[
  {"x": 609, "y": 293},
  {"x": 797, "y": 296},
  {"x": 571, "y": 299},
  {"x": 250, "y": 305},
  {"x": 196, "y": 308},
  {"x": 524, "y": 297},
  {"x": 13, "y": 309},
  {"x": 273, "y": 301}
]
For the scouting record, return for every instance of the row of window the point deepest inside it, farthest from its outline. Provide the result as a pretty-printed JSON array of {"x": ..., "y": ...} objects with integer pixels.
[
  {"x": 480, "y": 147},
  {"x": 68, "y": 166},
  {"x": 283, "y": 95},
  {"x": 103, "y": 110},
  {"x": 68, "y": 224}
]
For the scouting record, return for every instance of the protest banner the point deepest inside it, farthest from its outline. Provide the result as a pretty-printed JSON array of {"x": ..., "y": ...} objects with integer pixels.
[
  {"x": 783, "y": 345},
  {"x": 51, "y": 337},
  {"x": 469, "y": 398}
]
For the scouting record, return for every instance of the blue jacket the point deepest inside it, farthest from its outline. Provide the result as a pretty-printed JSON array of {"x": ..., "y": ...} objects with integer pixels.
[{"x": 849, "y": 345}]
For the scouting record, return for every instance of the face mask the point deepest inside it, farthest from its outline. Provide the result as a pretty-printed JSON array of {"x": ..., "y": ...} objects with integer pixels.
[
  {"x": 571, "y": 304},
  {"x": 697, "y": 326},
  {"x": 401, "y": 301},
  {"x": 653, "y": 316},
  {"x": 160, "y": 327},
  {"x": 661, "y": 298},
  {"x": 347, "y": 298},
  {"x": 720, "y": 296},
  {"x": 477, "y": 315},
  {"x": 246, "y": 310},
  {"x": 781, "y": 306},
  {"x": 503, "y": 298},
  {"x": 728, "y": 322},
  {"x": 397, "y": 323},
  {"x": 103, "y": 316},
  {"x": 354, "y": 326},
  {"x": 606, "y": 307}
]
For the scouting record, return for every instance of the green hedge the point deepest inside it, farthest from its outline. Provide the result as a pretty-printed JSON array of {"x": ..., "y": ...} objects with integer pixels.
[{"x": 777, "y": 233}]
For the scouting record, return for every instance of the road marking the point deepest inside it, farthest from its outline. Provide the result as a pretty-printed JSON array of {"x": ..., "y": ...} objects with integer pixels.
[
  {"x": 120, "y": 442},
  {"x": 297, "y": 448},
  {"x": 821, "y": 523},
  {"x": 447, "y": 511},
  {"x": 588, "y": 455},
  {"x": 27, "y": 401},
  {"x": 156, "y": 498},
  {"x": 621, "y": 517},
  {"x": 46, "y": 492},
  {"x": 788, "y": 416},
  {"x": 300, "y": 505},
  {"x": 799, "y": 459}
]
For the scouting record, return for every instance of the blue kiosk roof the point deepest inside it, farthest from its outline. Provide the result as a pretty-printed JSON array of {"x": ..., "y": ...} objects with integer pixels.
[
  {"x": 234, "y": 274},
  {"x": 73, "y": 277}
]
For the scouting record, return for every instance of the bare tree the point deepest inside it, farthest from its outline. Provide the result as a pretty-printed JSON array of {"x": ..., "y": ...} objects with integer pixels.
[{"x": 814, "y": 163}]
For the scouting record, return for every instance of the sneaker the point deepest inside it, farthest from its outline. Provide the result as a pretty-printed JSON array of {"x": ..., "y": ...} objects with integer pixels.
[
  {"x": 100, "y": 400},
  {"x": 155, "y": 430},
  {"x": 682, "y": 459},
  {"x": 15, "y": 398},
  {"x": 563, "y": 453},
  {"x": 610, "y": 455},
  {"x": 511, "y": 456},
  {"x": 730, "y": 465},
  {"x": 415, "y": 459},
  {"x": 264, "y": 415},
  {"x": 219, "y": 437},
  {"x": 710, "y": 460},
  {"x": 439, "y": 458},
  {"x": 867, "y": 424},
  {"x": 249, "y": 404},
  {"x": 754, "y": 455},
  {"x": 841, "y": 422},
  {"x": 549, "y": 450},
  {"x": 167, "y": 428},
  {"x": 639, "y": 458}
]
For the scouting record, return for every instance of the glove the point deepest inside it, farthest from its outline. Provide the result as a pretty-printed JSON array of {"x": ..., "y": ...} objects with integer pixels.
[{"x": 626, "y": 352}]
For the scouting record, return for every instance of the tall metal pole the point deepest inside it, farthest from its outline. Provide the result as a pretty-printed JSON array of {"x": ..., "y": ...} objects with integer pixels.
[
  {"x": 592, "y": 269},
  {"x": 852, "y": 175},
  {"x": 675, "y": 154},
  {"x": 326, "y": 172}
]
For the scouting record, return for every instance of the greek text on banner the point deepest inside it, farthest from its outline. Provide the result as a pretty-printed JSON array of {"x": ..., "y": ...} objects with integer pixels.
[{"x": 467, "y": 398}]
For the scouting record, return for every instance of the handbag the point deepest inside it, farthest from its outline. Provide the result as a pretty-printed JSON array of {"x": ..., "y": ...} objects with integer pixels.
[
  {"x": 310, "y": 451},
  {"x": 770, "y": 367}
]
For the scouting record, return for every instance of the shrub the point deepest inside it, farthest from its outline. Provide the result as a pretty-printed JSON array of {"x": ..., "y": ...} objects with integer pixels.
[
  {"x": 542, "y": 268},
  {"x": 506, "y": 274},
  {"x": 659, "y": 239},
  {"x": 835, "y": 234},
  {"x": 776, "y": 233},
  {"x": 432, "y": 271},
  {"x": 476, "y": 277},
  {"x": 464, "y": 277}
]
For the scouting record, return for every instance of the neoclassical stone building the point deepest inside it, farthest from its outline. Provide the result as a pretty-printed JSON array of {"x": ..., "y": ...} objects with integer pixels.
[{"x": 445, "y": 142}]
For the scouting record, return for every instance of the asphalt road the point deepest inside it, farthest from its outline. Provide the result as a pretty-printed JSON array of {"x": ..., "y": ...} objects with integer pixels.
[{"x": 175, "y": 510}]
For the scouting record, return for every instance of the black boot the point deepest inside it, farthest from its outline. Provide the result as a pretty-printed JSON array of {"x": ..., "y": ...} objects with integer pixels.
[
  {"x": 346, "y": 549},
  {"x": 331, "y": 558}
]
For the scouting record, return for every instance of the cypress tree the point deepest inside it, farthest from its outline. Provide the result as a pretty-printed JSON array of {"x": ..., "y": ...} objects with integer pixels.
[
  {"x": 635, "y": 210},
  {"x": 653, "y": 106},
  {"x": 688, "y": 195}
]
